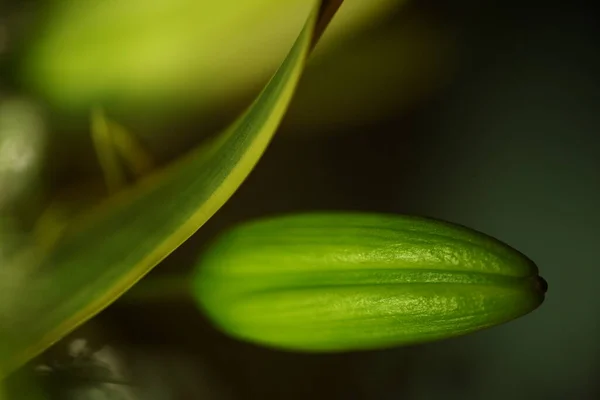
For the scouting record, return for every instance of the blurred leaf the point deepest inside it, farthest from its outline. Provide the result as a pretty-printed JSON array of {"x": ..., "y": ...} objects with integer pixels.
[
  {"x": 105, "y": 252},
  {"x": 23, "y": 386},
  {"x": 163, "y": 53},
  {"x": 22, "y": 148}
]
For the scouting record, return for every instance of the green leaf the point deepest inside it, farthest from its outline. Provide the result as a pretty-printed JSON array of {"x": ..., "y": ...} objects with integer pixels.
[
  {"x": 138, "y": 54},
  {"x": 353, "y": 281},
  {"x": 105, "y": 252}
]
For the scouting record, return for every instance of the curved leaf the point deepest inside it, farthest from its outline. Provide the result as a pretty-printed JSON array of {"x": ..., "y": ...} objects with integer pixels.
[{"x": 108, "y": 250}]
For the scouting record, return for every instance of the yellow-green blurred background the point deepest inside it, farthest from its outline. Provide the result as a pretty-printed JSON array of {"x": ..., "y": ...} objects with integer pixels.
[{"x": 481, "y": 113}]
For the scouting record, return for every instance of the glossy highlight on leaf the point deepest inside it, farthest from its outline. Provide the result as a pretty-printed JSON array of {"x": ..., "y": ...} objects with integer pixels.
[
  {"x": 105, "y": 252},
  {"x": 354, "y": 281}
]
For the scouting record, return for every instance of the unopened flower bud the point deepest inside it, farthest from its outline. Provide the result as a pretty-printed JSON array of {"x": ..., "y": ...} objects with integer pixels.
[{"x": 352, "y": 281}]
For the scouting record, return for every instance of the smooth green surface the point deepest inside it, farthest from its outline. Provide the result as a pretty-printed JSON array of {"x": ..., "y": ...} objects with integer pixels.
[
  {"x": 141, "y": 53},
  {"x": 108, "y": 250},
  {"x": 349, "y": 281}
]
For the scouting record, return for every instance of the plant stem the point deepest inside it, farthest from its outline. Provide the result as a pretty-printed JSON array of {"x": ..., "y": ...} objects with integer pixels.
[{"x": 159, "y": 289}]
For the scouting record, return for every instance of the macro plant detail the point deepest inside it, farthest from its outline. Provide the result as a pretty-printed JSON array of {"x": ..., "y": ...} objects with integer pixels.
[
  {"x": 312, "y": 282},
  {"x": 118, "y": 245},
  {"x": 350, "y": 281}
]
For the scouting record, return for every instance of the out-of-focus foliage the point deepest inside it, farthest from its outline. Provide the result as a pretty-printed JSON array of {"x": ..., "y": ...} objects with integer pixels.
[
  {"x": 22, "y": 148},
  {"x": 142, "y": 53},
  {"x": 109, "y": 248},
  {"x": 373, "y": 75}
]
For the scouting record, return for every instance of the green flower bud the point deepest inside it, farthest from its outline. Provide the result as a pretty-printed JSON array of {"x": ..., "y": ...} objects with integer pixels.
[{"x": 352, "y": 281}]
